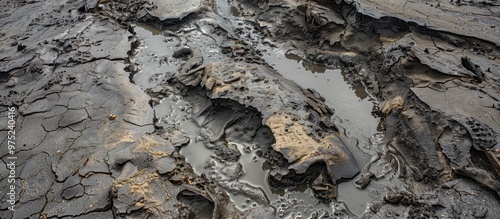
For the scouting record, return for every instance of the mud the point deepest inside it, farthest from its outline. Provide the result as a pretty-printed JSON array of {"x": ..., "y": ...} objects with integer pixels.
[{"x": 251, "y": 109}]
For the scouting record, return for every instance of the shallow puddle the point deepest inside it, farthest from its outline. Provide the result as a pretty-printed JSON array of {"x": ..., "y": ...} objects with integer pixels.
[
  {"x": 155, "y": 56},
  {"x": 173, "y": 111},
  {"x": 152, "y": 29},
  {"x": 352, "y": 104},
  {"x": 254, "y": 175},
  {"x": 156, "y": 50}
]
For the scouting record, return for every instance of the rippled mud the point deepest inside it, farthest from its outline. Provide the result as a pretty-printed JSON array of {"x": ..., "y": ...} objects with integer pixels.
[{"x": 251, "y": 109}]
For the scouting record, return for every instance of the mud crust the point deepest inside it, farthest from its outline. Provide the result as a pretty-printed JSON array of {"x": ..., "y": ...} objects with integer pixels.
[{"x": 90, "y": 145}]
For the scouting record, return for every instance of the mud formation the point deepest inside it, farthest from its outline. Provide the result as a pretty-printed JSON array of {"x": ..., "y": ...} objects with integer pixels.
[{"x": 114, "y": 121}]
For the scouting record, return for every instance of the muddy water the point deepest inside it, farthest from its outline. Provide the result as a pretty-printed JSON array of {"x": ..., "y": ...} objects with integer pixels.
[
  {"x": 289, "y": 203},
  {"x": 150, "y": 28},
  {"x": 352, "y": 104},
  {"x": 155, "y": 62},
  {"x": 155, "y": 58},
  {"x": 352, "y": 108},
  {"x": 157, "y": 48},
  {"x": 174, "y": 111},
  {"x": 254, "y": 175}
]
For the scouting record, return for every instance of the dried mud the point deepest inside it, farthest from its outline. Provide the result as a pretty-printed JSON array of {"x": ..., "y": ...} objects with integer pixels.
[{"x": 251, "y": 109}]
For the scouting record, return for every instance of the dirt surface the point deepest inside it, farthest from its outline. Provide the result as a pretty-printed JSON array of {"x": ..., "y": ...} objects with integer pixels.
[{"x": 249, "y": 109}]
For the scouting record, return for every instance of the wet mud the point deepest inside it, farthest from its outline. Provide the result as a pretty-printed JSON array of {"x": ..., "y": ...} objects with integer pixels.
[{"x": 251, "y": 109}]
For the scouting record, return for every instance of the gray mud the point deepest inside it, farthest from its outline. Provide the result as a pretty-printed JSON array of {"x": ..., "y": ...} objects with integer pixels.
[{"x": 250, "y": 109}]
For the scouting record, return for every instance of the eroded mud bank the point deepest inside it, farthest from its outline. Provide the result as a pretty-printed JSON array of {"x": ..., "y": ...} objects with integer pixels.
[{"x": 251, "y": 109}]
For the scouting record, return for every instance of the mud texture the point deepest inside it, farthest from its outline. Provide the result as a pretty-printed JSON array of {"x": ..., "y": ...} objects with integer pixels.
[
  {"x": 298, "y": 119},
  {"x": 195, "y": 120}
]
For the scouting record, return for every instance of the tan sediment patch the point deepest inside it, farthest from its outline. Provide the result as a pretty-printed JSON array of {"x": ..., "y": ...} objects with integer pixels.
[
  {"x": 139, "y": 185},
  {"x": 118, "y": 137},
  {"x": 144, "y": 144},
  {"x": 299, "y": 147},
  {"x": 396, "y": 102},
  {"x": 147, "y": 144}
]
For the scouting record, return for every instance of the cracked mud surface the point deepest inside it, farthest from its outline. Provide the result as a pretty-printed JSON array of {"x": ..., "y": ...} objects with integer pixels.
[{"x": 251, "y": 109}]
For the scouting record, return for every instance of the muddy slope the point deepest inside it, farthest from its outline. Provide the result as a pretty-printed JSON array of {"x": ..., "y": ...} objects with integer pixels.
[{"x": 104, "y": 119}]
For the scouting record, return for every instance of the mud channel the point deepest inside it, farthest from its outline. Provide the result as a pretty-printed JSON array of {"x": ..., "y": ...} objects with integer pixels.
[{"x": 250, "y": 109}]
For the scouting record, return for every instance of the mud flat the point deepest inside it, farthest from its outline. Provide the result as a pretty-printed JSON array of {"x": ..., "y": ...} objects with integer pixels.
[{"x": 250, "y": 109}]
